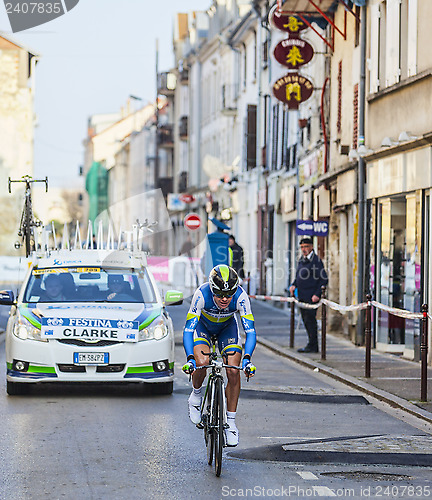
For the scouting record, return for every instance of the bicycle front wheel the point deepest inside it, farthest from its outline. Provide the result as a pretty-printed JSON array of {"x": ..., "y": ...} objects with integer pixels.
[
  {"x": 208, "y": 424},
  {"x": 219, "y": 427}
]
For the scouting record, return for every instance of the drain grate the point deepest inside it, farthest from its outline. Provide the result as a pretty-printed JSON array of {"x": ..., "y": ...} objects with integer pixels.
[{"x": 364, "y": 475}]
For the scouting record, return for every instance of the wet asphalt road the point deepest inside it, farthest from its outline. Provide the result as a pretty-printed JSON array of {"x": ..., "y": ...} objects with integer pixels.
[{"x": 301, "y": 435}]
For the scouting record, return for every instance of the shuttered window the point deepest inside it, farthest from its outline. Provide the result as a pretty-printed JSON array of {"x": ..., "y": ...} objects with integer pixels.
[
  {"x": 251, "y": 136},
  {"x": 374, "y": 48},
  {"x": 412, "y": 37},
  {"x": 339, "y": 100},
  {"x": 355, "y": 116},
  {"x": 392, "y": 70},
  {"x": 285, "y": 122},
  {"x": 275, "y": 133}
]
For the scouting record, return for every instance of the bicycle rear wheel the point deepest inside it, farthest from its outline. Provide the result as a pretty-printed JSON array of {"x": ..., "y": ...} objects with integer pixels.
[{"x": 219, "y": 428}]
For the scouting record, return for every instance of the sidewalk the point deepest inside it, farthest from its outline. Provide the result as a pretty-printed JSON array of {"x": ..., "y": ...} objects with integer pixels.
[{"x": 393, "y": 380}]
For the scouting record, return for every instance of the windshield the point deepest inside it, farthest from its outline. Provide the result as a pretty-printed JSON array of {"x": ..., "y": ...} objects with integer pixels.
[{"x": 73, "y": 284}]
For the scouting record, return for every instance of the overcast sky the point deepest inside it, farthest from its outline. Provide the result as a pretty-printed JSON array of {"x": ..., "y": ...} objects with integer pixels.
[{"x": 92, "y": 58}]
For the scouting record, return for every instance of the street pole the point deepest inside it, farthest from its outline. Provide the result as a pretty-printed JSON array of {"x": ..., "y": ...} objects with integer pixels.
[
  {"x": 361, "y": 175},
  {"x": 156, "y": 160},
  {"x": 157, "y": 243}
]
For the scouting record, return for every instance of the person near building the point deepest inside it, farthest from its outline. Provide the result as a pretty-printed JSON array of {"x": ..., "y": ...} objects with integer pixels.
[
  {"x": 212, "y": 313},
  {"x": 310, "y": 277},
  {"x": 187, "y": 246},
  {"x": 236, "y": 256}
]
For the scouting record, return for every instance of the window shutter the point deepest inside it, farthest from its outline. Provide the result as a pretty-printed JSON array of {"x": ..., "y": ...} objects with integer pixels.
[
  {"x": 251, "y": 137},
  {"x": 374, "y": 49},
  {"x": 339, "y": 100},
  {"x": 412, "y": 37},
  {"x": 392, "y": 42},
  {"x": 275, "y": 130},
  {"x": 355, "y": 116}
]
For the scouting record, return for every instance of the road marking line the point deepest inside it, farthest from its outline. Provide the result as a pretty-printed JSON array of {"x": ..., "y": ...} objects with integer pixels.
[
  {"x": 307, "y": 475},
  {"x": 323, "y": 491},
  {"x": 284, "y": 437}
]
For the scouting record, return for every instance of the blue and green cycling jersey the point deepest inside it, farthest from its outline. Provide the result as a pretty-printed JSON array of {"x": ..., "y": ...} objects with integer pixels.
[{"x": 204, "y": 311}]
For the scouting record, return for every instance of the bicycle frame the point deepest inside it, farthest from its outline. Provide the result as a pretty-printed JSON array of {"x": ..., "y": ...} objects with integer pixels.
[
  {"x": 213, "y": 407},
  {"x": 216, "y": 367}
]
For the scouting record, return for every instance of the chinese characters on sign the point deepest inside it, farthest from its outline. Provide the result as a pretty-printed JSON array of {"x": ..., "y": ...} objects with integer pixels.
[
  {"x": 294, "y": 52},
  {"x": 283, "y": 22},
  {"x": 293, "y": 89}
]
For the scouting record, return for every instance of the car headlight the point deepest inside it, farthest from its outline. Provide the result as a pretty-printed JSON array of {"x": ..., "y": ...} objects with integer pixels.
[
  {"x": 24, "y": 330},
  {"x": 156, "y": 332}
]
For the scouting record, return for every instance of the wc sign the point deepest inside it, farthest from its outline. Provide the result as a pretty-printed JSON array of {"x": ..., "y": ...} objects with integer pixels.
[{"x": 312, "y": 227}]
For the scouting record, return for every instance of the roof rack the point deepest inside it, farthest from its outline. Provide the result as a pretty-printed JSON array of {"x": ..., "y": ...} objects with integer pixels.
[{"x": 46, "y": 240}]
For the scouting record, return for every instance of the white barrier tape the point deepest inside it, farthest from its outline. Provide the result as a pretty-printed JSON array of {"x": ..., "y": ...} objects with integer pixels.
[
  {"x": 277, "y": 298},
  {"x": 305, "y": 305},
  {"x": 402, "y": 313},
  {"x": 344, "y": 309},
  {"x": 397, "y": 312},
  {"x": 272, "y": 297}
]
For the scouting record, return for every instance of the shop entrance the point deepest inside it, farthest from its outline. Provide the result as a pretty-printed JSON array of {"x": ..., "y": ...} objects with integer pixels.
[{"x": 399, "y": 269}]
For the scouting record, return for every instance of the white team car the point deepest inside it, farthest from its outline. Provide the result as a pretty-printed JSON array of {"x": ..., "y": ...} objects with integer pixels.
[{"x": 89, "y": 316}]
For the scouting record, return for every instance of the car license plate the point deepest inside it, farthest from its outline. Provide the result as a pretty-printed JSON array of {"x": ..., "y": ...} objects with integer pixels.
[{"x": 91, "y": 358}]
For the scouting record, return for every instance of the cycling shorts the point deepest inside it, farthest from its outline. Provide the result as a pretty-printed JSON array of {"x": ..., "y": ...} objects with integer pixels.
[{"x": 228, "y": 338}]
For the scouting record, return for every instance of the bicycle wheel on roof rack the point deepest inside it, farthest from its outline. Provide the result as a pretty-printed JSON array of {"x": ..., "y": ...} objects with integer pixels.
[
  {"x": 219, "y": 427},
  {"x": 27, "y": 227}
]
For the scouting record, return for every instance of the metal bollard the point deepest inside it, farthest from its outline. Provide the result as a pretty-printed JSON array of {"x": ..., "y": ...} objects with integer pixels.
[
  {"x": 323, "y": 325},
  {"x": 368, "y": 334},
  {"x": 423, "y": 352},
  {"x": 292, "y": 325}
]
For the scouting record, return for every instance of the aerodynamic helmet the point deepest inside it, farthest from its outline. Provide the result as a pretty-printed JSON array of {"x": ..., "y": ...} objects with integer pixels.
[{"x": 223, "y": 281}]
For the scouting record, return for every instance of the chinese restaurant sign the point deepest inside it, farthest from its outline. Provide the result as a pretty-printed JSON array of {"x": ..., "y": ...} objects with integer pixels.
[
  {"x": 293, "y": 89},
  {"x": 288, "y": 23},
  {"x": 293, "y": 52}
]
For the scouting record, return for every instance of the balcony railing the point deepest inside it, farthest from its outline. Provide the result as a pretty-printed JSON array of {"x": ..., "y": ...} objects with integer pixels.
[
  {"x": 165, "y": 136},
  {"x": 184, "y": 76},
  {"x": 229, "y": 97},
  {"x": 183, "y": 128},
  {"x": 166, "y": 185},
  {"x": 167, "y": 83}
]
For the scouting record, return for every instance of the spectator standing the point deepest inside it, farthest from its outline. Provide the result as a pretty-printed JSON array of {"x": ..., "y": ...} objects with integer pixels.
[
  {"x": 187, "y": 246},
  {"x": 237, "y": 256},
  {"x": 310, "y": 277}
]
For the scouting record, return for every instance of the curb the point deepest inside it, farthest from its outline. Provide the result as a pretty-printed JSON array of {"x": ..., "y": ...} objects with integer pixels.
[{"x": 386, "y": 397}]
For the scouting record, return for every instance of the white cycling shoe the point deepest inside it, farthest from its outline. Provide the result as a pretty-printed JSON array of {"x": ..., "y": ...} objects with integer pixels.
[
  {"x": 194, "y": 404},
  {"x": 232, "y": 435}
]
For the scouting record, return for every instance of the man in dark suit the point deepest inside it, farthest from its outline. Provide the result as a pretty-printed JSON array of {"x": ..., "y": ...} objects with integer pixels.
[
  {"x": 310, "y": 277},
  {"x": 237, "y": 257}
]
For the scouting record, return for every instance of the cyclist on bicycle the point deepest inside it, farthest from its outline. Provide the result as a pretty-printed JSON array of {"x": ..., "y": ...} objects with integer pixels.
[{"x": 212, "y": 311}]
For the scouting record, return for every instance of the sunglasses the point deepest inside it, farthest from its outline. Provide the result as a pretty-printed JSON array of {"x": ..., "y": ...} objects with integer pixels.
[{"x": 225, "y": 295}]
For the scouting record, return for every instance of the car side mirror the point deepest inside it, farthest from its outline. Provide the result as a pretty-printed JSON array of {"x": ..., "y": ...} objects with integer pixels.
[
  {"x": 6, "y": 297},
  {"x": 173, "y": 298}
]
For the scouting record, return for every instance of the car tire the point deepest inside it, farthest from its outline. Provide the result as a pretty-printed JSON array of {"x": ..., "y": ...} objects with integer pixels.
[
  {"x": 17, "y": 388},
  {"x": 162, "y": 388}
]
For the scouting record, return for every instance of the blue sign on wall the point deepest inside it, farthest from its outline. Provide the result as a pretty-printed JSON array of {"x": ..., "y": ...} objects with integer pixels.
[{"x": 312, "y": 227}]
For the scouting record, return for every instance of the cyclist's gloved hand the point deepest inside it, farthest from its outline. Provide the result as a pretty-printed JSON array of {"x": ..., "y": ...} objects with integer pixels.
[
  {"x": 190, "y": 366},
  {"x": 248, "y": 367}
]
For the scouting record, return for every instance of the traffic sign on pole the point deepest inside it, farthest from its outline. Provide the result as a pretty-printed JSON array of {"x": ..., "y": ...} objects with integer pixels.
[
  {"x": 192, "y": 221},
  {"x": 312, "y": 227}
]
